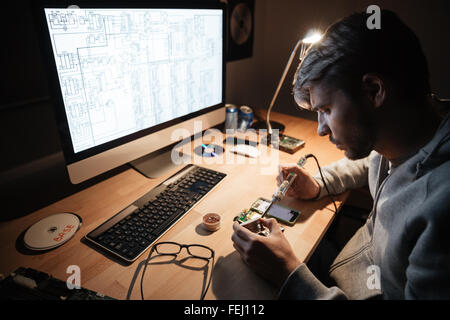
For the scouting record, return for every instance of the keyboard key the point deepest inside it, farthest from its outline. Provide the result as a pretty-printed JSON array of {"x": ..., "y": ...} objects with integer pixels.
[
  {"x": 132, "y": 244},
  {"x": 144, "y": 243}
]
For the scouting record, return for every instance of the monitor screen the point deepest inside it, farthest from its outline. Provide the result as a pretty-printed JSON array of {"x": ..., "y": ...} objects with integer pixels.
[{"x": 122, "y": 71}]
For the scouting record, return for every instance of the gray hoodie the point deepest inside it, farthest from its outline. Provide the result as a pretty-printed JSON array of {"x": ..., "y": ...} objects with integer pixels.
[{"x": 403, "y": 250}]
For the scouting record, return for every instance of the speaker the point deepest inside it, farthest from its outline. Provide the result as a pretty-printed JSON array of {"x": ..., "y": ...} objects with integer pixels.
[{"x": 240, "y": 29}]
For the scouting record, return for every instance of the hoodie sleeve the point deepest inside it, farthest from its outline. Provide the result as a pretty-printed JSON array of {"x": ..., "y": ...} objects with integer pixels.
[
  {"x": 344, "y": 175},
  {"x": 427, "y": 274},
  {"x": 303, "y": 285}
]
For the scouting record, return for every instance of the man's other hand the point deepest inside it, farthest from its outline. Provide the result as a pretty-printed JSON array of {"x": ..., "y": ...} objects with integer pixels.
[{"x": 271, "y": 257}]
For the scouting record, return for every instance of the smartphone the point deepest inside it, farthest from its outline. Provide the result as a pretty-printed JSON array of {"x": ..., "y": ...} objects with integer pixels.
[{"x": 283, "y": 214}]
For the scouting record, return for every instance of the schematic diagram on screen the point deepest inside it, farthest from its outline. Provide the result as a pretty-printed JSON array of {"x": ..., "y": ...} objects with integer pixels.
[{"x": 124, "y": 70}]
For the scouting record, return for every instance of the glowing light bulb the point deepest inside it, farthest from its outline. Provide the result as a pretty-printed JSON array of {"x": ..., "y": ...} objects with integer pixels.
[{"x": 313, "y": 38}]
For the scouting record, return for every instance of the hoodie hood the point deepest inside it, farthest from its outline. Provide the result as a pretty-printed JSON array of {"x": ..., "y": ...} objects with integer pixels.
[{"x": 437, "y": 150}]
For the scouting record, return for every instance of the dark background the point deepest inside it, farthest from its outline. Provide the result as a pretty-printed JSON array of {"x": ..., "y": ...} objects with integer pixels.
[{"x": 32, "y": 171}]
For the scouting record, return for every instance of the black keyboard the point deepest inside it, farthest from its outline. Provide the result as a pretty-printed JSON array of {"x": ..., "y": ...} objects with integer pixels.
[{"x": 134, "y": 229}]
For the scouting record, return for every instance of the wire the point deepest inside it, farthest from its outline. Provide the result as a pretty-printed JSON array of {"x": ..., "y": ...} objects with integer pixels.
[{"x": 323, "y": 179}]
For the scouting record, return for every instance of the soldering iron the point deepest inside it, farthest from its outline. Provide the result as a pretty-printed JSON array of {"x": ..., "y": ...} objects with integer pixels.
[{"x": 286, "y": 184}]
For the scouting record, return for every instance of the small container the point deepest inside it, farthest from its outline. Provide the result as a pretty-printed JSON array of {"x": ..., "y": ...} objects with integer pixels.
[{"x": 211, "y": 221}]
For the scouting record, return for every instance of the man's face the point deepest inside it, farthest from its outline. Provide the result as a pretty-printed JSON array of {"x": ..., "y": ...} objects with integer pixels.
[{"x": 348, "y": 122}]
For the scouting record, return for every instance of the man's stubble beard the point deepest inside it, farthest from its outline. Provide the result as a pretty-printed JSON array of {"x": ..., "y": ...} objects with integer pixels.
[{"x": 363, "y": 142}]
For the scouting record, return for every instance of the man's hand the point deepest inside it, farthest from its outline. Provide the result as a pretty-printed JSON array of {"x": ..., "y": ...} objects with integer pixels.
[
  {"x": 271, "y": 257},
  {"x": 304, "y": 186}
]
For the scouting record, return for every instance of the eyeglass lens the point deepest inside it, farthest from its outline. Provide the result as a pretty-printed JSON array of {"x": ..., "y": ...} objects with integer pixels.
[{"x": 174, "y": 248}]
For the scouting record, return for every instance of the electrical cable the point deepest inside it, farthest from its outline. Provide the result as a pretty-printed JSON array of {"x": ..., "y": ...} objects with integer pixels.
[{"x": 323, "y": 179}]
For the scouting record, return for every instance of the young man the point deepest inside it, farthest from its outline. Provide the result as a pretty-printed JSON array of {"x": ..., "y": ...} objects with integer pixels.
[{"x": 371, "y": 91}]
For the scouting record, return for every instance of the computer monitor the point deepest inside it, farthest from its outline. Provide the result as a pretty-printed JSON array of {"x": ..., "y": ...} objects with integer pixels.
[{"x": 125, "y": 75}]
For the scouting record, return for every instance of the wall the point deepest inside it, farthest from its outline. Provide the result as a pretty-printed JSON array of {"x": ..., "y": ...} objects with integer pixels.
[
  {"x": 282, "y": 22},
  {"x": 244, "y": 77}
]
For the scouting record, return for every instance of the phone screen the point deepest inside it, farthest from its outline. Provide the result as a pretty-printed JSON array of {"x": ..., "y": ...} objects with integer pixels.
[{"x": 283, "y": 213}]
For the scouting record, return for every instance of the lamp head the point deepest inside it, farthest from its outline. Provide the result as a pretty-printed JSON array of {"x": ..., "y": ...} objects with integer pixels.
[{"x": 312, "y": 37}]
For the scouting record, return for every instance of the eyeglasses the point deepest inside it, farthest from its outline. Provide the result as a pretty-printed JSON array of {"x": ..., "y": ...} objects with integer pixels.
[
  {"x": 173, "y": 248},
  {"x": 195, "y": 250}
]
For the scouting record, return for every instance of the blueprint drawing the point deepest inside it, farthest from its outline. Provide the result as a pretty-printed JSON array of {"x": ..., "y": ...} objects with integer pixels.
[{"x": 125, "y": 70}]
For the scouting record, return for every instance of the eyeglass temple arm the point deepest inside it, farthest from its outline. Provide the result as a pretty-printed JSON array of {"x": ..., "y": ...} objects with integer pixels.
[{"x": 210, "y": 278}]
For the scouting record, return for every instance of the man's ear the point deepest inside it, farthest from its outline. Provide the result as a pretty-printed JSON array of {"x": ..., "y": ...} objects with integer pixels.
[{"x": 374, "y": 88}]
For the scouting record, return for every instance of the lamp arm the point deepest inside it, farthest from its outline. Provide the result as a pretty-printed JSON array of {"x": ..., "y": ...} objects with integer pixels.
[{"x": 277, "y": 91}]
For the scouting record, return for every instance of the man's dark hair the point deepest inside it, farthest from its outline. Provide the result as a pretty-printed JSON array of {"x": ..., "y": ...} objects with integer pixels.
[{"x": 349, "y": 49}]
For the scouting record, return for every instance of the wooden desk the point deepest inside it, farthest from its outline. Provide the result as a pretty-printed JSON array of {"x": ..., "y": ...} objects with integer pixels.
[{"x": 232, "y": 279}]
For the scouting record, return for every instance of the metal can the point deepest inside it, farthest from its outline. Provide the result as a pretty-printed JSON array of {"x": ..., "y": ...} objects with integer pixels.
[
  {"x": 231, "y": 117},
  {"x": 245, "y": 118}
]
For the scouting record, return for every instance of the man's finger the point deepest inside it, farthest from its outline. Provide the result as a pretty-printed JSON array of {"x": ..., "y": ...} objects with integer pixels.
[
  {"x": 286, "y": 167},
  {"x": 238, "y": 249},
  {"x": 279, "y": 179},
  {"x": 291, "y": 192},
  {"x": 242, "y": 232},
  {"x": 287, "y": 171},
  {"x": 236, "y": 240},
  {"x": 271, "y": 224}
]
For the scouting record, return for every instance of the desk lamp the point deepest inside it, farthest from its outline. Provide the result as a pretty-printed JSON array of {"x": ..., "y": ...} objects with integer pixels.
[{"x": 304, "y": 45}]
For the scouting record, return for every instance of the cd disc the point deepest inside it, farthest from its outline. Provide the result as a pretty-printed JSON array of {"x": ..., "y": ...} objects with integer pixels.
[
  {"x": 52, "y": 231},
  {"x": 208, "y": 151}
]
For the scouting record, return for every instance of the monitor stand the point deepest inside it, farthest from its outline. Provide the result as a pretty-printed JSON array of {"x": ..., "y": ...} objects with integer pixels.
[{"x": 156, "y": 164}]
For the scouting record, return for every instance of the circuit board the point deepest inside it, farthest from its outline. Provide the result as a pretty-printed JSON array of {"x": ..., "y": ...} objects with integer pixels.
[
  {"x": 30, "y": 284},
  {"x": 290, "y": 144},
  {"x": 285, "y": 143},
  {"x": 257, "y": 210}
]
